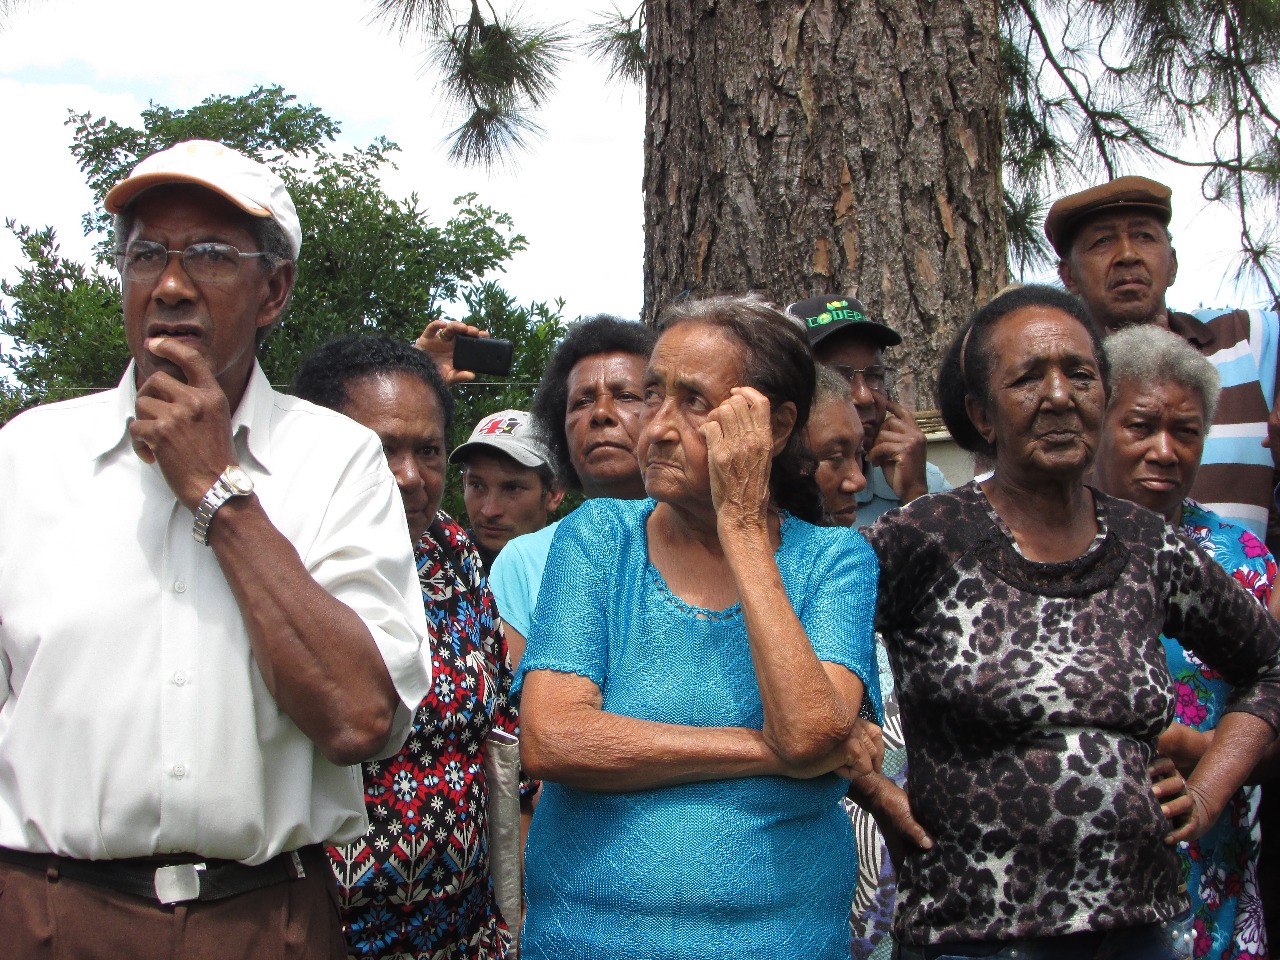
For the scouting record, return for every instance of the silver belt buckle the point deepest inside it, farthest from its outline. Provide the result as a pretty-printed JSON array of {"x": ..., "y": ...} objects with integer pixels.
[{"x": 178, "y": 883}]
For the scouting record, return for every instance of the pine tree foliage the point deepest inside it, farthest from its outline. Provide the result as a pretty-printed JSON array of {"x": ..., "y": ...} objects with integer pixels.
[
  {"x": 1094, "y": 89},
  {"x": 1098, "y": 88},
  {"x": 617, "y": 40},
  {"x": 494, "y": 71}
]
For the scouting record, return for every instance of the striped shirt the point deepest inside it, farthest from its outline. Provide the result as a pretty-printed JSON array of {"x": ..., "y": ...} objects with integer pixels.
[{"x": 1236, "y": 473}]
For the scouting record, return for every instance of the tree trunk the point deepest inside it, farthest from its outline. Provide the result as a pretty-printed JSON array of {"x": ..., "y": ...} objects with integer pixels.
[{"x": 798, "y": 149}]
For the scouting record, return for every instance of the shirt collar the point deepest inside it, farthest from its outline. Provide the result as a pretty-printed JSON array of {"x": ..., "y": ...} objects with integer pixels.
[
  {"x": 877, "y": 486},
  {"x": 1194, "y": 331},
  {"x": 250, "y": 423}
]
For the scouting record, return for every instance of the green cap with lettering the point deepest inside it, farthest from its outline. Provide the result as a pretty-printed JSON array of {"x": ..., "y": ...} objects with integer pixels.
[{"x": 827, "y": 315}]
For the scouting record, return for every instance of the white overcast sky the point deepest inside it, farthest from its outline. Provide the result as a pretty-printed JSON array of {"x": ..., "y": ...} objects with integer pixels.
[{"x": 576, "y": 196}]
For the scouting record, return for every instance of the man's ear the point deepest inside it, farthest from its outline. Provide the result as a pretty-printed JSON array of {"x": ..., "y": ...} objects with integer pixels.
[
  {"x": 279, "y": 286},
  {"x": 782, "y": 420},
  {"x": 553, "y": 498},
  {"x": 1065, "y": 275},
  {"x": 981, "y": 421}
]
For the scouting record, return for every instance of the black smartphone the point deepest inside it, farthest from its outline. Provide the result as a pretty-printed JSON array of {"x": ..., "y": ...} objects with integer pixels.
[{"x": 482, "y": 355}]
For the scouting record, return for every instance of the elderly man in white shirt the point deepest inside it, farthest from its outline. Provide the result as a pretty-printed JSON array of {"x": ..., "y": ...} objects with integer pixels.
[{"x": 208, "y": 609}]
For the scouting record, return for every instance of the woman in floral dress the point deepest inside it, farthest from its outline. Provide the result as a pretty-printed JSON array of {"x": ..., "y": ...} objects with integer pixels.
[
  {"x": 1162, "y": 402},
  {"x": 418, "y": 883}
]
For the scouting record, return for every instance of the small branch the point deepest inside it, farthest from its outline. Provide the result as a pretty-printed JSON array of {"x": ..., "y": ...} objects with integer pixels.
[{"x": 1099, "y": 136}]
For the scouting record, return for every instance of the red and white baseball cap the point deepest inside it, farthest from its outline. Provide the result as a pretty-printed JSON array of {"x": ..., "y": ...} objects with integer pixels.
[
  {"x": 248, "y": 183},
  {"x": 508, "y": 431}
]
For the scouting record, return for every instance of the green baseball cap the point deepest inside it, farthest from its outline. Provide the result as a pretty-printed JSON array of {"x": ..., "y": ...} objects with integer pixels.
[{"x": 824, "y": 316}]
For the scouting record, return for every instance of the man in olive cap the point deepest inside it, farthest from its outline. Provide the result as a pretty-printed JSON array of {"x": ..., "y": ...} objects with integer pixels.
[{"x": 1116, "y": 254}]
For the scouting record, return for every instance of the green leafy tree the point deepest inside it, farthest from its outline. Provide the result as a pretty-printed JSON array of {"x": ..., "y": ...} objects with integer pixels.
[{"x": 369, "y": 262}]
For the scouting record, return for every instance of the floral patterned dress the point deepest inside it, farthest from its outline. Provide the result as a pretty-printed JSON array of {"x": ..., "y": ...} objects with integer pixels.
[
  {"x": 1221, "y": 867},
  {"x": 417, "y": 884}
]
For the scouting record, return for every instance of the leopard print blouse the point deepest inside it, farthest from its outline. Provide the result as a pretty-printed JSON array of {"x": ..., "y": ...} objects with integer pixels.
[{"x": 1032, "y": 695}]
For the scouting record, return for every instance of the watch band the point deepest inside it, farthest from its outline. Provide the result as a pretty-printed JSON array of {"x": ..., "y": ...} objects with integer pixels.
[{"x": 233, "y": 482}]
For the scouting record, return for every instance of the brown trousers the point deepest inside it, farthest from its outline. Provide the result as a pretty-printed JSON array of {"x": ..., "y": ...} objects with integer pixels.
[{"x": 46, "y": 917}]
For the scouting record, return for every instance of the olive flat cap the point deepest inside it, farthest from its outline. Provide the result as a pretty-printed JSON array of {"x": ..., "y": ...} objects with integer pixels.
[{"x": 1138, "y": 193}]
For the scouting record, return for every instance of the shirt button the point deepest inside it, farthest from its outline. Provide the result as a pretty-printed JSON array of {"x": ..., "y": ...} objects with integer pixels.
[
  {"x": 180, "y": 678},
  {"x": 180, "y": 586},
  {"x": 179, "y": 770}
]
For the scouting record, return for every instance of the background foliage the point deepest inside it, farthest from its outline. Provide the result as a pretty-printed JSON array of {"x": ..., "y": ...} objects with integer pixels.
[{"x": 369, "y": 261}]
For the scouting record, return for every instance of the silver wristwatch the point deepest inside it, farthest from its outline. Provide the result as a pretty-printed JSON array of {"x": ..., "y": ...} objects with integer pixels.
[{"x": 234, "y": 482}]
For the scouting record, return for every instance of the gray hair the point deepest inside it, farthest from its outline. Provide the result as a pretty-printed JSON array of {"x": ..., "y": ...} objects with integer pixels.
[
  {"x": 1145, "y": 353},
  {"x": 829, "y": 386}
]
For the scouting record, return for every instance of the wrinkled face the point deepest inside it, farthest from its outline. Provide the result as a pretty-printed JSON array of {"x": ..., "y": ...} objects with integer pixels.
[
  {"x": 601, "y": 421},
  {"x": 504, "y": 499},
  {"x": 853, "y": 352},
  {"x": 220, "y": 320},
  {"x": 1152, "y": 440},
  {"x": 692, "y": 370},
  {"x": 1046, "y": 396},
  {"x": 405, "y": 414},
  {"x": 834, "y": 437},
  {"x": 1121, "y": 264}
]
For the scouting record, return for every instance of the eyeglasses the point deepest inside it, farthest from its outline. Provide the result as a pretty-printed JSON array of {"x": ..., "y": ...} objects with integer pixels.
[
  {"x": 204, "y": 262},
  {"x": 878, "y": 378}
]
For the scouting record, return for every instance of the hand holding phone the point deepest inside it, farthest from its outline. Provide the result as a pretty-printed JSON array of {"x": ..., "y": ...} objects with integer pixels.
[
  {"x": 483, "y": 355},
  {"x": 439, "y": 340}
]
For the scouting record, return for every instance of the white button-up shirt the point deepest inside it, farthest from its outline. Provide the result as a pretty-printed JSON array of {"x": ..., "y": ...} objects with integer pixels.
[{"x": 134, "y": 720}]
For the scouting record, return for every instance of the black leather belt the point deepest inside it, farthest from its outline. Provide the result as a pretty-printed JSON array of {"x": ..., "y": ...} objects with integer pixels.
[{"x": 173, "y": 880}]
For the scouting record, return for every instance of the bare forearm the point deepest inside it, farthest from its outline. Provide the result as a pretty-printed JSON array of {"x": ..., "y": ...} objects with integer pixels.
[
  {"x": 566, "y": 737},
  {"x": 594, "y": 750},
  {"x": 315, "y": 654},
  {"x": 1268, "y": 768},
  {"x": 805, "y": 713},
  {"x": 1239, "y": 742}
]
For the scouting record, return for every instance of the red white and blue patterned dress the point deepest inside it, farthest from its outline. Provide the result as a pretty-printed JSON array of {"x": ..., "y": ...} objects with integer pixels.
[
  {"x": 1221, "y": 868},
  {"x": 417, "y": 884}
]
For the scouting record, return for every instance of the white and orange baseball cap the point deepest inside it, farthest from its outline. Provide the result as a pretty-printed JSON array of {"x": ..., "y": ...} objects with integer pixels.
[{"x": 248, "y": 183}]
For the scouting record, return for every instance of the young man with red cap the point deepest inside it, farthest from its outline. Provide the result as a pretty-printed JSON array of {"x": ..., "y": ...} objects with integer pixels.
[
  {"x": 509, "y": 485},
  {"x": 208, "y": 608}
]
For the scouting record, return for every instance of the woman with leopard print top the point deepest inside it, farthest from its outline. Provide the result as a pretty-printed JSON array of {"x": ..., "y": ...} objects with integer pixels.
[{"x": 1023, "y": 617}]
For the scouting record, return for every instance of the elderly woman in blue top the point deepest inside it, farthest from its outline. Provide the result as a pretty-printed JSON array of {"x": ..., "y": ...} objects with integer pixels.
[{"x": 695, "y": 670}]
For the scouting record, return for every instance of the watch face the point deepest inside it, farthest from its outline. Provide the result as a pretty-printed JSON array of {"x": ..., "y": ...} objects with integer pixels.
[{"x": 238, "y": 480}]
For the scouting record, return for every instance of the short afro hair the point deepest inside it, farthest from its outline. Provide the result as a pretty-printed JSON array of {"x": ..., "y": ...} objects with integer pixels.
[
  {"x": 325, "y": 372},
  {"x": 586, "y": 338}
]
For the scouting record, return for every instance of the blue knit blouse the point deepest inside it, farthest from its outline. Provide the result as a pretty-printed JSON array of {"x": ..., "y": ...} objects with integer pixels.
[{"x": 750, "y": 867}]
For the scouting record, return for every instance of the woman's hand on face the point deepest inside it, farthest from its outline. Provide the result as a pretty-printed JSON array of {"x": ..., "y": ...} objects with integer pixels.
[{"x": 739, "y": 438}]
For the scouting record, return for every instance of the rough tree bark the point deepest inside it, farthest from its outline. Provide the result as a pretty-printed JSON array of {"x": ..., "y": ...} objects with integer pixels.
[{"x": 802, "y": 148}]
